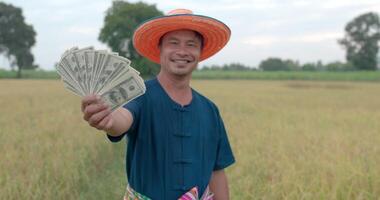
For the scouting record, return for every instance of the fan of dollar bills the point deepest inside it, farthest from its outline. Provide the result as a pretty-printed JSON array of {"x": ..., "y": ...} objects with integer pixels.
[{"x": 88, "y": 71}]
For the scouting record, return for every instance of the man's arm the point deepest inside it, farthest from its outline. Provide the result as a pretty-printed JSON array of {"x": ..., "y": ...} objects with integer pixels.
[
  {"x": 99, "y": 116},
  {"x": 219, "y": 185}
]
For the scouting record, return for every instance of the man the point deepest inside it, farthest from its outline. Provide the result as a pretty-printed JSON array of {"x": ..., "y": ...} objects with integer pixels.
[{"x": 177, "y": 142}]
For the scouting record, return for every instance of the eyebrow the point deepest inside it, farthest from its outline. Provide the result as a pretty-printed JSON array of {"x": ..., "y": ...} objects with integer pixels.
[
  {"x": 198, "y": 36},
  {"x": 175, "y": 38}
]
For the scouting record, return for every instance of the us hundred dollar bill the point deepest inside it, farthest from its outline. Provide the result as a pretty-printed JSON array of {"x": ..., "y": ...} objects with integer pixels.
[{"x": 123, "y": 92}]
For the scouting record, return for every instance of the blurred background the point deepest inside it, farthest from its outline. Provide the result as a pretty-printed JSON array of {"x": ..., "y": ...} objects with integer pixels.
[{"x": 297, "y": 86}]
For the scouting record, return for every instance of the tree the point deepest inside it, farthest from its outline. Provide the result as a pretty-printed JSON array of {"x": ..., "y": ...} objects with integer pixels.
[
  {"x": 361, "y": 41},
  {"x": 309, "y": 67},
  {"x": 119, "y": 24},
  {"x": 272, "y": 64},
  {"x": 339, "y": 66},
  {"x": 16, "y": 38},
  {"x": 318, "y": 66},
  {"x": 292, "y": 65},
  {"x": 235, "y": 66},
  {"x": 276, "y": 64}
]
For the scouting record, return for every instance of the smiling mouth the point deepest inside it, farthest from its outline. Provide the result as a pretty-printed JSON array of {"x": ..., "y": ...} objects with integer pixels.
[{"x": 180, "y": 61}]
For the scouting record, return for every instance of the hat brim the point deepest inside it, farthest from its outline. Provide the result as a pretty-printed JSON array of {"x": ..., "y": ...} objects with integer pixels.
[{"x": 147, "y": 36}]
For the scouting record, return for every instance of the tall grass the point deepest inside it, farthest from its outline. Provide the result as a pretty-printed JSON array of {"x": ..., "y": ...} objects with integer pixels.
[
  {"x": 301, "y": 140},
  {"x": 291, "y": 139},
  {"x": 48, "y": 152}
]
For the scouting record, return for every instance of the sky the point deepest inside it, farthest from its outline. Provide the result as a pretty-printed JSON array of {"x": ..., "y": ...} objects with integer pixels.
[{"x": 303, "y": 30}]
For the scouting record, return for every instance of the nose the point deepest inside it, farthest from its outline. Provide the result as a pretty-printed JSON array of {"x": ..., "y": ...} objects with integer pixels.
[{"x": 182, "y": 52}]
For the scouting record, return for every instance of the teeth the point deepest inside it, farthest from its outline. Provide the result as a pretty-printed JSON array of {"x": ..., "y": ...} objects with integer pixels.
[{"x": 181, "y": 61}]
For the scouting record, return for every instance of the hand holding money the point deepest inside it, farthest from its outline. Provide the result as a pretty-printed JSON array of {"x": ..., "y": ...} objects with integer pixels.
[
  {"x": 97, "y": 113},
  {"x": 97, "y": 72}
]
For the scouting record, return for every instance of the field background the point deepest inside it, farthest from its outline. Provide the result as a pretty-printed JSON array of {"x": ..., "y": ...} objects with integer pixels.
[
  {"x": 291, "y": 139},
  {"x": 373, "y": 76}
]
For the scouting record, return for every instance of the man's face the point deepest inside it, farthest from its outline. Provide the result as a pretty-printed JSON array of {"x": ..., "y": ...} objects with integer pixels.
[{"x": 179, "y": 52}]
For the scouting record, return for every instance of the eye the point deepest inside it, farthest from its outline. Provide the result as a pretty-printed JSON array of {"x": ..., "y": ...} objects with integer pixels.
[
  {"x": 192, "y": 44},
  {"x": 173, "y": 42}
]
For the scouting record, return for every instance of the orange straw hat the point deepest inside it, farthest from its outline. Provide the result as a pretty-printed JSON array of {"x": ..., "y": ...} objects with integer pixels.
[{"x": 147, "y": 36}]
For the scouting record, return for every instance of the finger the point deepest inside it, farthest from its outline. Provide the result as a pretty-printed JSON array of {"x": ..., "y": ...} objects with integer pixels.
[
  {"x": 89, "y": 99},
  {"x": 97, "y": 117},
  {"x": 103, "y": 123},
  {"x": 92, "y": 109},
  {"x": 109, "y": 124}
]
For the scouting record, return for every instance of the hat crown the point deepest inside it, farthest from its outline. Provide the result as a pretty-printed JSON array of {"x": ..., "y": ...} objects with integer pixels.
[{"x": 179, "y": 12}]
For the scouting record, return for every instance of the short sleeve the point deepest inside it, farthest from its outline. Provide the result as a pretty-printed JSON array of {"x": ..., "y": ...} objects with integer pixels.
[
  {"x": 133, "y": 107},
  {"x": 224, "y": 155}
]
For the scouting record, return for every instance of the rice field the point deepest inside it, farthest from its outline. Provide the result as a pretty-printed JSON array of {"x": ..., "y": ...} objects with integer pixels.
[{"x": 291, "y": 139}]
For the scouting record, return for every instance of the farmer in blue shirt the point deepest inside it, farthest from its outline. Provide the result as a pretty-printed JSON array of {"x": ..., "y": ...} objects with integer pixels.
[{"x": 177, "y": 143}]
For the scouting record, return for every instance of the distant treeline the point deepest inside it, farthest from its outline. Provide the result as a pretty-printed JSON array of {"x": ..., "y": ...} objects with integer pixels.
[
  {"x": 29, "y": 74},
  {"x": 288, "y": 75},
  {"x": 278, "y": 64},
  {"x": 247, "y": 74}
]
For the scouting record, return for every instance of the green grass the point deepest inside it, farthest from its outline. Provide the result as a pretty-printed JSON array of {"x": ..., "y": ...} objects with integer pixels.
[
  {"x": 247, "y": 75},
  {"x": 290, "y": 75},
  {"x": 29, "y": 74}
]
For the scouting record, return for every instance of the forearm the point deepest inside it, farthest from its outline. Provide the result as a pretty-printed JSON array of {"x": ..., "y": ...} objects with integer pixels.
[
  {"x": 219, "y": 185},
  {"x": 121, "y": 122}
]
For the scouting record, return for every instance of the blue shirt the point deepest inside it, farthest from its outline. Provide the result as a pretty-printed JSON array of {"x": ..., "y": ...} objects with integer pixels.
[{"x": 170, "y": 148}]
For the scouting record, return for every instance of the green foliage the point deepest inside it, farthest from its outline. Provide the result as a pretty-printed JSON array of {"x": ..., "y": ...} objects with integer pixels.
[
  {"x": 333, "y": 66},
  {"x": 145, "y": 67},
  {"x": 231, "y": 66},
  {"x": 277, "y": 64},
  {"x": 16, "y": 38},
  {"x": 318, "y": 66},
  {"x": 235, "y": 66},
  {"x": 119, "y": 24},
  {"x": 288, "y": 65},
  {"x": 233, "y": 74},
  {"x": 309, "y": 67},
  {"x": 29, "y": 74},
  {"x": 289, "y": 75},
  {"x": 339, "y": 66},
  {"x": 361, "y": 41}
]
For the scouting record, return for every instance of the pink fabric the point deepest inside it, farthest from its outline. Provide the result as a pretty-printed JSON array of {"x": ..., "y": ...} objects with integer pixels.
[
  {"x": 193, "y": 195},
  {"x": 190, "y": 195}
]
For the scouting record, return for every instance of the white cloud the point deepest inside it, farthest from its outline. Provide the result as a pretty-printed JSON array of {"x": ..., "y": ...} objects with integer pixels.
[
  {"x": 263, "y": 40},
  {"x": 299, "y": 29},
  {"x": 87, "y": 31},
  {"x": 268, "y": 40},
  {"x": 316, "y": 37},
  {"x": 288, "y": 21},
  {"x": 347, "y": 3},
  {"x": 301, "y": 3}
]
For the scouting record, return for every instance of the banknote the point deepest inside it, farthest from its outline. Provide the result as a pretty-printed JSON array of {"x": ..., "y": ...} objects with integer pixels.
[
  {"x": 86, "y": 71},
  {"x": 123, "y": 92}
]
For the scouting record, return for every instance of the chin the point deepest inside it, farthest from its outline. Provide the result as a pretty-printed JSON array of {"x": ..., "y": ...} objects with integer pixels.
[{"x": 181, "y": 72}]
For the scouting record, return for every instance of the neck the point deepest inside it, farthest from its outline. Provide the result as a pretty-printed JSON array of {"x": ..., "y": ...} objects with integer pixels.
[
  {"x": 178, "y": 88},
  {"x": 173, "y": 82}
]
